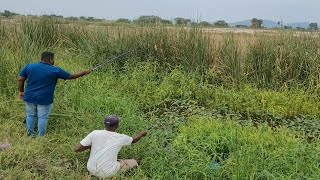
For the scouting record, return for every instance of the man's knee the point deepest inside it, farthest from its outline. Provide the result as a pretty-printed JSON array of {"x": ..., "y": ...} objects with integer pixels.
[{"x": 44, "y": 111}]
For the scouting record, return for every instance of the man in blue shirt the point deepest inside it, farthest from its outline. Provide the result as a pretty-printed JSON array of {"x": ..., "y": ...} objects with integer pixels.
[{"x": 41, "y": 79}]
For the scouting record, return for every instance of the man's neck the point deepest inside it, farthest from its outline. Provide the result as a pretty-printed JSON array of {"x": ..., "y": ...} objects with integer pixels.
[
  {"x": 45, "y": 61},
  {"x": 111, "y": 130}
]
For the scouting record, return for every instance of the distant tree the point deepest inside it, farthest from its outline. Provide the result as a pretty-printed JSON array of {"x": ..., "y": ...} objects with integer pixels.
[
  {"x": 72, "y": 18},
  {"x": 221, "y": 23},
  {"x": 182, "y": 21},
  {"x": 193, "y": 24},
  {"x": 204, "y": 23},
  {"x": 82, "y": 17},
  {"x": 165, "y": 21},
  {"x": 301, "y": 28},
  {"x": 241, "y": 26},
  {"x": 7, "y": 13},
  {"x": 287, "y": 27},
  {"x": 179, "y": 20},
  {"x": 56, "y": 16},
  {"x": 313, "y": 26},
  {"x": 90, "y": 18},
  {"x": 148, "y": 20},
  {"x": 122, "y": 20},
  {"x": 256, "y": 23},
  {"x": 52, "y": 16}
]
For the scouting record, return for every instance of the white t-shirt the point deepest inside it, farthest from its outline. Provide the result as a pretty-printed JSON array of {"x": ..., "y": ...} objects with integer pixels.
[{"x": 105, "y": 146}]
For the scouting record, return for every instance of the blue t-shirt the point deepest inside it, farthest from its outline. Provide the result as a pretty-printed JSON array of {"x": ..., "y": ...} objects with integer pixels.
[{"x": 41, "y": 82}]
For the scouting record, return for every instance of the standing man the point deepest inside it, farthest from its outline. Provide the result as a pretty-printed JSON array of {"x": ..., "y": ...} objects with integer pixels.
[
  {"x": 105, "y": 146},
  {"x": 39, "y": 94}
]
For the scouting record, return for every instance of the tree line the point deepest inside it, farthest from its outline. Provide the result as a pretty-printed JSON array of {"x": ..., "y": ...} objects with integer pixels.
[
  {"x": 176, "y": 21},
  {"x": 180, "y": 21}
]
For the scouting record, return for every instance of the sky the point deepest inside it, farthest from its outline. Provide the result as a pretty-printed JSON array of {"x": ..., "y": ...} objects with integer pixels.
[{"x": 287, "y": 11}]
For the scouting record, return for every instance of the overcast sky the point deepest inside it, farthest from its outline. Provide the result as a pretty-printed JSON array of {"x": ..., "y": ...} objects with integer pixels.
[{"x": 209, "y": 10}]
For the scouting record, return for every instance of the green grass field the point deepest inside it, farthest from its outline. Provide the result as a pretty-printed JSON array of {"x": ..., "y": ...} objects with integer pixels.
[{"x": 249, "y": 102}]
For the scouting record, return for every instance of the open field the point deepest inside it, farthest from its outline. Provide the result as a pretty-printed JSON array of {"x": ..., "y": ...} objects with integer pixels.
[{"x": 249, "y": 102}]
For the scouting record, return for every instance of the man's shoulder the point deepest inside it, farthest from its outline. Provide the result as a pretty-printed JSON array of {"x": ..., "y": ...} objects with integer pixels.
[
  {"x": 35, "y": 65},
  {"x": 108, "y": 133},
  {"x": 98, "y": 132},
  {"x": 51, "y": 68},
  {"x": 57, "y": 69},
  {"x": 122, "y": 136},
  {"x": 32, "y": 64},
  {"x": 95, "y": 131}
]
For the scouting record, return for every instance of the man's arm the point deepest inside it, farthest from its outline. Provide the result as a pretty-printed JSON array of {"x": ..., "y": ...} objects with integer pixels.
[
  {"x": 139, "y": 136},
  {"x": 79, "y": 74},
  {"x": 85, "y": 143},
  {"x": 21, "y": 81},
  {"x": 80, "y": 148}
]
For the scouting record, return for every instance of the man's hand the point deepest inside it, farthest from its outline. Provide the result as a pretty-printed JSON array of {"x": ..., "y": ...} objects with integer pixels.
[
  {"x": 80, "y": 74},
  {"x": 21, "y": 95},
  {"x": 86, "y": 72},
  {"x": 139, "y": 136},
  {"x": 80, "y": 148},
  {"x": 143, "y": 133},
  {"x": 21, "y": 81}
]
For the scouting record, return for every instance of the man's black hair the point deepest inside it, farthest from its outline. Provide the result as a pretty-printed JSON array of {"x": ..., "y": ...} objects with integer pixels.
[
  {"x": 111, "y": 121},
  {"x": 47, "y": 55}
]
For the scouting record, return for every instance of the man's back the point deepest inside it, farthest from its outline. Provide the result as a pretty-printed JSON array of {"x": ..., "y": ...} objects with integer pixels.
[
  {"x": 105, "y": 146},
  {"x": 41, "y": 82}
]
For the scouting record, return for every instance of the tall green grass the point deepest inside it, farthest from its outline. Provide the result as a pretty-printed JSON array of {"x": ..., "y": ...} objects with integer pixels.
[
  {"x": 40, "y": 32},
  {"x": 230, "y": 63},
  {"x": 286, "y": 61},
  {"x": 276, "y": 61}
]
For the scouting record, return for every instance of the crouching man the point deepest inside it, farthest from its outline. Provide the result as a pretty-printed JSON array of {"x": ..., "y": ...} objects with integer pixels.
[{"x": 105, "y": 146}]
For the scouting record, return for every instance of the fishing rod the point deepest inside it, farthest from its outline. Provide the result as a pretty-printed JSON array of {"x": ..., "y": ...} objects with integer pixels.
[{"x": 107, "y": 61}]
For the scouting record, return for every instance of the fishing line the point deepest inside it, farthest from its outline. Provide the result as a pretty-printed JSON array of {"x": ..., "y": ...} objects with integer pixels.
[{"x": 107, "y": 61}]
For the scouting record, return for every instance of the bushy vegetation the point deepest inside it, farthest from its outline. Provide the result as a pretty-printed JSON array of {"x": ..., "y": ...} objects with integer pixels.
[
  {"x": 243, "y": 152},
  {"x": 249, "y": 103}
]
